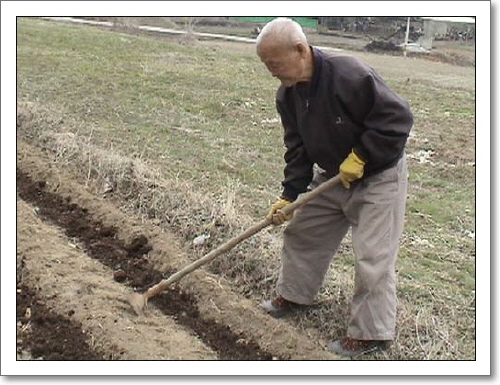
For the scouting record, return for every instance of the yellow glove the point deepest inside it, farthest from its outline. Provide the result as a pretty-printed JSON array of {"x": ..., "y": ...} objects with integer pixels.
[
  {"x": 351, "y": 169},
  {"x": 275, "y": 212}
]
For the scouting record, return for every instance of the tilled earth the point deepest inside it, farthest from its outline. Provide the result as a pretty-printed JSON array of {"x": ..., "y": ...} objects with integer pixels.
[{"x": 79, "y": 255}]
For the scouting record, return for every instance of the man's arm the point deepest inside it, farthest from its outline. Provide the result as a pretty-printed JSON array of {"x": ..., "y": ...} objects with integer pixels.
[
  {"x": 386, "y": 117},
  {"x": 298, "y": 167}
]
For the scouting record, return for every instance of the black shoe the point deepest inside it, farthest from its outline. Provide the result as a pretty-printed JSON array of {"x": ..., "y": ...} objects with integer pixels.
[
  {"x": 278, "y": 307},
  {"x": 350, "y": 347}
]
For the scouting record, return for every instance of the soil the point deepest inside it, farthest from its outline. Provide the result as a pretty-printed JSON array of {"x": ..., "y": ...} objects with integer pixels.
[{"x": 79, "y": 256}]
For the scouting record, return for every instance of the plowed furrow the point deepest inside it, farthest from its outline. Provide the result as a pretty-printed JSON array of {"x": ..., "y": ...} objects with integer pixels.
[
  {"x": 131, "y": 267},
  {"x": 48, "y": 335}
]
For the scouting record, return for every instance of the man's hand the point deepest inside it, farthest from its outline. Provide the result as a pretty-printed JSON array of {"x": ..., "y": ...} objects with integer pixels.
[
  {"x": 275, "y": 213},
  {"x": 351, "y": 169}
]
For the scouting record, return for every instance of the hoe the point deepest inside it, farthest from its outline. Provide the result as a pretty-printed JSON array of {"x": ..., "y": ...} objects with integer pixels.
[{"x": 140, "y": 301}]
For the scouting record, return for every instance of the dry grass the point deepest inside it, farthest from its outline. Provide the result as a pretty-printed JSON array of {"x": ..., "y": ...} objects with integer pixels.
[{"x": 187, "y": 135}]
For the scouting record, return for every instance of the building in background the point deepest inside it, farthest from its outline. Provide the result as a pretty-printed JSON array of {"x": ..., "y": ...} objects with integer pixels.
[{"x": 462, "y": 29}]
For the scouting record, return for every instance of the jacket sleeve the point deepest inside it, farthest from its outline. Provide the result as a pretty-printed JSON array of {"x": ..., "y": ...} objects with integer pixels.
[
  {"x": 385, "y": 117},
  {"x": 298, "y": 167}
]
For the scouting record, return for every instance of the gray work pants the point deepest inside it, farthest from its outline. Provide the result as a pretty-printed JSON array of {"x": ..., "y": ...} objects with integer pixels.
[{"x": 374, "y": 207}]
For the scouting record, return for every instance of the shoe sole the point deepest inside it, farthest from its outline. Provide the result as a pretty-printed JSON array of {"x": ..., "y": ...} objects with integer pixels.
[{"x": 336, "y": 347}]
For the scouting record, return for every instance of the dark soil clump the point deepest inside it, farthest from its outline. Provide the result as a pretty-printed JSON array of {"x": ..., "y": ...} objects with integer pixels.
[{"x": 49, "y": 335}]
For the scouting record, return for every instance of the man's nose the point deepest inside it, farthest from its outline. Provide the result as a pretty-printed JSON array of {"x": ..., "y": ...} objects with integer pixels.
[
  {"x": 274, "y": 73},
  {"x": 272, "y": 70}
]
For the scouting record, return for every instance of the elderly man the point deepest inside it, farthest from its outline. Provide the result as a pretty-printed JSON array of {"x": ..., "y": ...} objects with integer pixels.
[{"x": 338, "y": 116}]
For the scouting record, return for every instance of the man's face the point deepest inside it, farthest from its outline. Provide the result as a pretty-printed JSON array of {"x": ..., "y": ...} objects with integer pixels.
[{"x": 284, "y": 64}]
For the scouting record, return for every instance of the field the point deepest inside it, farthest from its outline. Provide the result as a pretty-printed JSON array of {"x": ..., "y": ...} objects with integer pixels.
[{"x": 131, "y": 145}]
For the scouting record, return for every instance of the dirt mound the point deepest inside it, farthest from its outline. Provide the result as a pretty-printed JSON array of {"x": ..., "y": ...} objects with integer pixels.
[
  {"x": 451, "y": 57},
  {"x": 382, "y": 46}
]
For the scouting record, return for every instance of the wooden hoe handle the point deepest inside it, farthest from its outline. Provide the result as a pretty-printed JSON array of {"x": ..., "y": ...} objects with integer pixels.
[{"x": 162, "y": 285}]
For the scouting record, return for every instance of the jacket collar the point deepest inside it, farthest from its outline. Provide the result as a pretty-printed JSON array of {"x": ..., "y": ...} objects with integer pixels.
[
  {"x": 312, "y": 86},
  {"x": 318, "y": 66}
]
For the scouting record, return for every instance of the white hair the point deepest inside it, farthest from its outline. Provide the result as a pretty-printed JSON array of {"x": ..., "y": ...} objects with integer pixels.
[{"x": 283, "y": 31}]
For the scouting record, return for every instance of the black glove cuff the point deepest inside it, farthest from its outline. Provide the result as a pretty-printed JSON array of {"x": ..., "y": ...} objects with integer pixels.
[{"x": 361, "y": 153}]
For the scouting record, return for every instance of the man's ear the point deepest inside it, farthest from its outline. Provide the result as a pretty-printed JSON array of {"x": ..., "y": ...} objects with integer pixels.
[{"x": 301, "y": 49}]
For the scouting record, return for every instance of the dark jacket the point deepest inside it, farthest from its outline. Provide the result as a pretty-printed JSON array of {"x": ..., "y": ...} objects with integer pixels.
[{"x": 346, "y": 106}]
